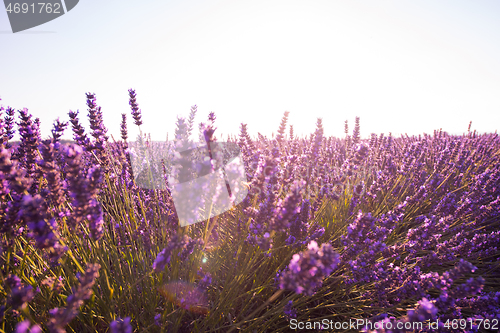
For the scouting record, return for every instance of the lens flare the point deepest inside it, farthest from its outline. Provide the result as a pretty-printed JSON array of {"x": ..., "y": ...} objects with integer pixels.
[{"x": 185, "y": 295}]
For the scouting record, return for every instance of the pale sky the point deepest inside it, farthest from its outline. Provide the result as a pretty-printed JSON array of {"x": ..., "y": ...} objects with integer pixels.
[{"x": 402, "y": 66}]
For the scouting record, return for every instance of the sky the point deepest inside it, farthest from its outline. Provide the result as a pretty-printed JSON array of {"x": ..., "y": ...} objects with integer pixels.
[{"x": 401, "y": 66}]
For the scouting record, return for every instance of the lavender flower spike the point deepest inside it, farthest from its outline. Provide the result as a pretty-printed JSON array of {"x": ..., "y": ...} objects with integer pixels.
[
  {"x": 62, "y": 317},
  {"x": 25, "y": 327},
  {"x": 136, "y": 112},
  {"x": 121, "y": 326},
  {"x": 307, "y": 269}
]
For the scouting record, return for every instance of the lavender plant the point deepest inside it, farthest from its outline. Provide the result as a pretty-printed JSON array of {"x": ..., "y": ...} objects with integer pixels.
[{"x": 388, "y": 229}]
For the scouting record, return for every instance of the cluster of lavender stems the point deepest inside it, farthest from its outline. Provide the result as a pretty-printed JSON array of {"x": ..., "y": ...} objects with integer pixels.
[{"x": 406, "y": 228}]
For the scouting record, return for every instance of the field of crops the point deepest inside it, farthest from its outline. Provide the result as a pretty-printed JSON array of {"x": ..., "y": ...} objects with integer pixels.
[{"x": 385, "y": 234}]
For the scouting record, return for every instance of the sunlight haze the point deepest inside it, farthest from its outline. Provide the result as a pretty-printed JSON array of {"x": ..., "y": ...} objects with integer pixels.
[{"x": 402, "y": 66}]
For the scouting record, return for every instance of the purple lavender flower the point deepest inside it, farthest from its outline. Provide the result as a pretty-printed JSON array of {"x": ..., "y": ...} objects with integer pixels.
[
  {"x": 289, "y": 310},
  {"x": 62, "y": 317},
  {"x": 192, "y": 114},
  {"x": 158, "y": 319},
  {"x": 318, "y": 139},
  {"x": 3, "y": 136},
  {"x": 316, "y": 233},
  {"x": 83, "y": 190},
  {"x": 54, "y": 284},
  {"x": 20, "y": 294},
  {"x": 50, "y": 168},
  {"x": 287, "y": 209},
  {"x": 30, "y": 137},
  {"x": 98, "y": 130},
  {"x": 299, "y": 226},
  {"x": 357, "y": 233},
  {"x": 425, "y": 310},
  {"x": 356, "y": 132},
  {"x": 123, "y": 127},
  {"x": 360, "y": 154},
  {"x": 95, "y": 218},
  {"x": 136, "y": 112},
  {"x": 308, "y": 269},
  {"x": 205, "y": 279},
  {"x": 13, "y": 281},
  {"x": 9, "y": 126},
  {"x": 14, "y": 183},
  {"x": 121, "y": 325},
  {"x": 282, "y": 128},
  {"x": 26, "y": 327},
  {"x": 209, "y": 130},
  {"x": 58, "y": 130},
  {"x": 42, "y": 228},
  {"x": 78, "y": 130},
  {"x": 186, "y": 246}
]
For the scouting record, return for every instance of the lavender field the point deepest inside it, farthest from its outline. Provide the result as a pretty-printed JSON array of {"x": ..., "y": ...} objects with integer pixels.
[{"x": 381, "y": 231}]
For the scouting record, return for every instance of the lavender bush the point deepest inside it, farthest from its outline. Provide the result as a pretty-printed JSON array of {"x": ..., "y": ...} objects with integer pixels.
[{"x": 383, "y": 229}]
